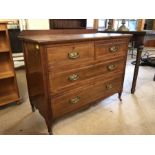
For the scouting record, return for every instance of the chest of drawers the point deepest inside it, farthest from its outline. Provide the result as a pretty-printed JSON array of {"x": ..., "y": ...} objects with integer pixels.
[{"x": 67, "y": 72}]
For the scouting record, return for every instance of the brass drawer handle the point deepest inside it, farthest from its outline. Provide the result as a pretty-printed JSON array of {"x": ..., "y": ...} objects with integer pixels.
[
  {"x": 37, "y": 47},
  {"x": 73, "y": 77},
  {"x": 73, "y": 55},
  {"x": 74, "y": 100},
  {"x": 112, "y": 67},
  {"x": 113, "y": 49},
  {"x": 109, "y": 86}
]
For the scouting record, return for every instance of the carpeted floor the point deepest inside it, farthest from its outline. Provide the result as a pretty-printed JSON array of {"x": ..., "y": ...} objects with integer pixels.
[{"x": 135, "y": 115}]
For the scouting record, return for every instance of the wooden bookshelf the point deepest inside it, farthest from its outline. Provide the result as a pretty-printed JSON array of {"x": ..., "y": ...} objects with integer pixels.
[
  {"x": 4, "y": 50},
  {"x": 6, "y": 74},
  {"x": 8, "y": 83}
]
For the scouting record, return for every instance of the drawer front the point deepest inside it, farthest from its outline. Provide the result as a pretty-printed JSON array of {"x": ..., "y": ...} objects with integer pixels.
[
  {"x": 2, "y": 27},
  {"x": 70, "y": 54},
  {"x": 75, "y": 78},
  {"x": 74, "y": 100},
  {"x": 109, "y": 49},
  {"x": 72, "y": 79}
]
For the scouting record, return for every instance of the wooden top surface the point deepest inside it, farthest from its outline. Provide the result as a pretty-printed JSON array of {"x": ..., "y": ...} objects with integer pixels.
[
  {"x": 144, "y": 32},
  {"x": 58, "y": 38}
]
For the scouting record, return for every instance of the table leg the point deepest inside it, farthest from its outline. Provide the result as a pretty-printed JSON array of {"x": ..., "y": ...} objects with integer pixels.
[{"x": 139, "y": 53}]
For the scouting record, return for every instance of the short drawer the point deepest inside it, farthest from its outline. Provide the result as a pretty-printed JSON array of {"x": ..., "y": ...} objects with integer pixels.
[
  {"x": 3, "y": 27},
  {"x": 109, "y": 49},
  {"x": 73, "y": 100},
  {"x": 70, "y": 54},
  {"x": 77, "y": 77}
]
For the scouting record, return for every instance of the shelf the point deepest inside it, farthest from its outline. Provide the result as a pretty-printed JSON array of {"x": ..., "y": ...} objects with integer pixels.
[
  {"x": 8, "y": 91},
  {"x": 7, "y": 74},
  {"x": 4, "y": 42},
  {"x": 3, "y": 27},
  {"x": 5, "y": 99},
  {"x": 8, "y": 84},
  {"x": 2, "y": 30},
  {"x": 4, "y": 50},
  {"x": 5, "y": 63}
]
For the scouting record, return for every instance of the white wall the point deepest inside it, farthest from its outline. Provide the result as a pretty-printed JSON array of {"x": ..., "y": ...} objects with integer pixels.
[{"x": 37, "y": 24}]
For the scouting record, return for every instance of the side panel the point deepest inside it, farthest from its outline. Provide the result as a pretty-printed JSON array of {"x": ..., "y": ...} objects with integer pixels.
[{"x": 36, "y": 78}]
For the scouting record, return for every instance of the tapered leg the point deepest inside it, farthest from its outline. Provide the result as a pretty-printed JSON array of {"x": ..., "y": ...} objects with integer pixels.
[
  {"x": 49, "y": 126},
  {"x": 33, "y": 108},
  {"x": 120, "y": 95},
  {"x": 154, "y": 78},
  {"x": 32, "y": 105},
  {"x": 50, "y": 130}
]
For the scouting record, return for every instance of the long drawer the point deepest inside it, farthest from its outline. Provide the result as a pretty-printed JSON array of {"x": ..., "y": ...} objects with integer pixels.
[
  {"x": 108, "y": 49},
  {"x": 71, "y": 101},
  {"x": 70, "y": 55},
  {"x": 76, "y": 77}
]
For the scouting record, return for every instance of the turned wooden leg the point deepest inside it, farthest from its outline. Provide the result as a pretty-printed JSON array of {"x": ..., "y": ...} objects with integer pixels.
[
  {"x": 139, "y": 52},
  {"x": 120, "y": 95}
]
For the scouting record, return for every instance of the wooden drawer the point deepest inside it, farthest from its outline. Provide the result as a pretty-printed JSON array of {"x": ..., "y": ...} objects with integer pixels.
[
  {"x": 73, "y": 100},
  {"x": 109, "y": 49},
  {"x": 73, "y": 78},
  {"x": 3, "y": 27},
  {"x": 70, "y": 55}
]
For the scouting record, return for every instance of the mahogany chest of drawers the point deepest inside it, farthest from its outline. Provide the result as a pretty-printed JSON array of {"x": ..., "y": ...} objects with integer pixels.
[{"x": 67, "y": 72}]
